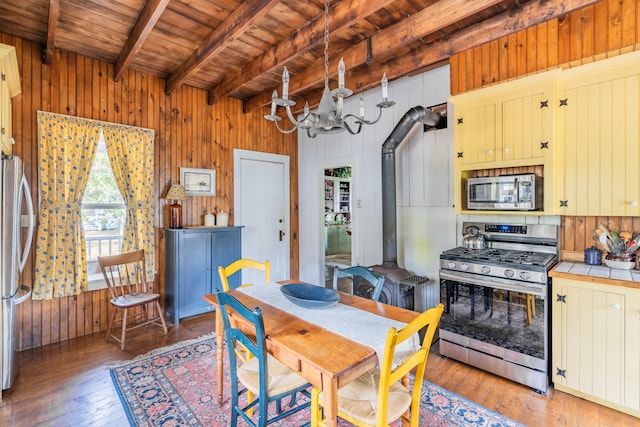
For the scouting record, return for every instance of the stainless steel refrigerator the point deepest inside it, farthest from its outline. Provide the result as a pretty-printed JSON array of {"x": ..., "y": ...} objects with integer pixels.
[{"x": 13, "y": 253}]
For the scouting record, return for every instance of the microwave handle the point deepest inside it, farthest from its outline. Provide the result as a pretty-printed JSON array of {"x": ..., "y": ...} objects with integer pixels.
[{"x": 517, "y": 187}]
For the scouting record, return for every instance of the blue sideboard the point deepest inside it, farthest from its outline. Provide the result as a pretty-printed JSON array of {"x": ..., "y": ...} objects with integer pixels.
[{"x": 192, "y": 259}]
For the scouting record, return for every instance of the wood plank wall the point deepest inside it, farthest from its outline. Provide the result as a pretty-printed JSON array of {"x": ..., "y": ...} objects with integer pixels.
[
  {"x": 188, "y": 133},
  {"x": 605, "y": 29}
]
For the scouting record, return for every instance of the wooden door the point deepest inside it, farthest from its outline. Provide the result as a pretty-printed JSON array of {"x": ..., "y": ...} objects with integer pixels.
[
  {"x": 588, "y": 350},
  {"x": 261, "y": 198},
  {"x": 599, "y": 129},
  {"x": 475, "y": 134}
]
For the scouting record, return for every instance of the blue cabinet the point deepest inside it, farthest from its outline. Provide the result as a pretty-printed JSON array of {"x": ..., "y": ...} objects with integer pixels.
[{"x": 192, "y": 259}]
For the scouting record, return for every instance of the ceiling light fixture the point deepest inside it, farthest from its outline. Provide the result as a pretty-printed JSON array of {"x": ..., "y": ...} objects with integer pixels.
[{"x": 328, "y": 117}]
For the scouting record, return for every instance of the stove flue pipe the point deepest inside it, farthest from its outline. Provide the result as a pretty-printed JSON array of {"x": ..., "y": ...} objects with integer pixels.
[{"x": 389, "y": 222}]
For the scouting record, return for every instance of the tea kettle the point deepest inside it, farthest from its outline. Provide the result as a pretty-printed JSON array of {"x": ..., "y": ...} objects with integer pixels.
[{"x": 472, "y": 238}]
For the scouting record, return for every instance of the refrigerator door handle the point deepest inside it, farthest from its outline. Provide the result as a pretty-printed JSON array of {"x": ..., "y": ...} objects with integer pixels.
[{"x": 26, "y": 193}]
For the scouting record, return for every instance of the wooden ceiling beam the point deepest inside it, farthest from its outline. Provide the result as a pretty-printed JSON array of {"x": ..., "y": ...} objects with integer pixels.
[
  {"x": 150, "y": 15},
  {"x": 429, "y": 20},
  {"x": 342, "y": 16},
  {"x": 233, "y": 27},
  {"x": 54, "y": 12},
  {"x": 511, "y": 21}
]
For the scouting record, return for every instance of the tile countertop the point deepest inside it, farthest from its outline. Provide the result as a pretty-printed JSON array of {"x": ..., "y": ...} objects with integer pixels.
[{"x": 596, "y": 274}]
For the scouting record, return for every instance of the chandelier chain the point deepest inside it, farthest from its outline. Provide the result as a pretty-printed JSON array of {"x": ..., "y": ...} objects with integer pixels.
[{"x": 326, "y": 43}]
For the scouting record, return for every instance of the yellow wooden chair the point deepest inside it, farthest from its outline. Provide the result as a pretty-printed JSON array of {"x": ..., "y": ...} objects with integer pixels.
[
  {"x": 381, "y": 396},
  {"x": 127, "y": 282},
  {"x": 234, "y": 267},
  {"x": 225, "y": 272}
]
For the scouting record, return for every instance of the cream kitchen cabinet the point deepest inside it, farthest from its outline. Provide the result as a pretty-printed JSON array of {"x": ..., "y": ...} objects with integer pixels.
[
  {"x": 507, "y": 125},
  {"x": 597, "y": 163},
  {"x": 504, "y": 126},
  {"x": 9, "y": 87},
  {"x": 596, "y": 342}
]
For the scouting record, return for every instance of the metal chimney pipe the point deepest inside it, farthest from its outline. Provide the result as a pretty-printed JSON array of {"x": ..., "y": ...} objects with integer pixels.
[{"x": 389, "y": 221}]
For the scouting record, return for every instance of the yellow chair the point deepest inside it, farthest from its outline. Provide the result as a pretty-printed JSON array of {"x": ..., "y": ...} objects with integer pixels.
[
  {"x": 234, "y": 267},
  {"x": 127, "y": 282},
  {"x": 380, "y": 396}
]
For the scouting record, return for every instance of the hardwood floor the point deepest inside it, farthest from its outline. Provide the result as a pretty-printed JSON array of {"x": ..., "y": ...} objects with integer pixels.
[{"x": 69, "y": 384}]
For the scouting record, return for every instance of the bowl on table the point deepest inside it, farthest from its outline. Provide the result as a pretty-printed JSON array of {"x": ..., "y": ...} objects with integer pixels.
[{"x": 310, "y": 296}]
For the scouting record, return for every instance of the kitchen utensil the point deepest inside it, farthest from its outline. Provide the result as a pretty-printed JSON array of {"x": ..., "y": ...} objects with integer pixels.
[
  {"x": 473, "y": 239},
  {"x": 633, "y": 244},
  {"x": 609, "y": 239},
  {"x": 625, "y": 236},
  {"x": 592, "y": 256}
]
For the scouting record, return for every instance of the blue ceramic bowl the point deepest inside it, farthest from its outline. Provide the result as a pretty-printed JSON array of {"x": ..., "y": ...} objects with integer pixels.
[{"x": 310, "y": 296}]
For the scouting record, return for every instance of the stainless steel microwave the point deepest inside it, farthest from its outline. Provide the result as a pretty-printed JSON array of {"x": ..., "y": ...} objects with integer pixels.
[{"x": 522, "y": 192}]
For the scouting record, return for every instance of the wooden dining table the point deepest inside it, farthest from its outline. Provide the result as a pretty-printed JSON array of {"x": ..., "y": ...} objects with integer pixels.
[{"x": 324, "y": 358}]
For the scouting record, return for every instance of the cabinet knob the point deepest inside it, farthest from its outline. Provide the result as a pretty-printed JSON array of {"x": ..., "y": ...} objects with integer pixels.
[
  {"x": 633, "y": 203},
  {"x": 490, "y": 152},
  {"x": 506, "y": 149},
  {"x": 616, "y": 306}
]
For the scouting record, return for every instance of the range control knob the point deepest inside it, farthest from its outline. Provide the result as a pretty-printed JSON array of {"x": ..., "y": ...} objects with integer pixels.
[
  {"x": 464, "y": 267},
  {"x": 451, "y": 265},
  {"x": 485, "y": 269},
  {"x": 508, "y": 272},
  {"x": 525, "y": 275}
]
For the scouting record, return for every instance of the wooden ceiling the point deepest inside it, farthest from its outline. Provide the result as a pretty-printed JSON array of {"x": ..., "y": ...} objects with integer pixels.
[{"x": 239, "y": 48}]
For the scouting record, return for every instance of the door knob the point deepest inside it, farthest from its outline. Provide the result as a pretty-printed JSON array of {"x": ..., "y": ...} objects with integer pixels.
[{"x": 282, "y": 233}]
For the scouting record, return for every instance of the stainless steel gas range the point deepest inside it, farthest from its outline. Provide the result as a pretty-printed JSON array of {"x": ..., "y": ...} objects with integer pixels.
[{"x": 496, "y": 301}]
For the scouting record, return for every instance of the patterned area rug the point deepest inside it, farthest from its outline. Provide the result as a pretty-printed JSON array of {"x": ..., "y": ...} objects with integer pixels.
[{"x": 175, "y": 386}]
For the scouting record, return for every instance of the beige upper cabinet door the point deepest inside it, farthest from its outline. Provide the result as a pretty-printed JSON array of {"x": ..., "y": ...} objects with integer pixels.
[{"x": 598, "y": 115}]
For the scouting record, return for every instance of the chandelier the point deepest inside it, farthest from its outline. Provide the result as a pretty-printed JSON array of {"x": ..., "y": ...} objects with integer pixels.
[{"x": 328, "y": 117}]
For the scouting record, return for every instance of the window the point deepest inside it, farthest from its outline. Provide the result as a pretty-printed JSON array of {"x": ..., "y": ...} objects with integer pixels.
[{"x": 103, "y": 213}]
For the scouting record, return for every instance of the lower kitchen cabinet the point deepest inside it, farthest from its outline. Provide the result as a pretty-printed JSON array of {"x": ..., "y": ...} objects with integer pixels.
[
  {"x": 596, "y": 342},
  {"x": 193, "y": 256}
]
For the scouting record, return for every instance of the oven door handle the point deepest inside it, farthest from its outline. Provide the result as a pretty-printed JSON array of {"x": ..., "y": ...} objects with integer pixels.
[{"x": 495, "y": 282}]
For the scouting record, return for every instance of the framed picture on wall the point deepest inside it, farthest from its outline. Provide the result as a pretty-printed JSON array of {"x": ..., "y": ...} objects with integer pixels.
[{"x": 198, "y": 182}]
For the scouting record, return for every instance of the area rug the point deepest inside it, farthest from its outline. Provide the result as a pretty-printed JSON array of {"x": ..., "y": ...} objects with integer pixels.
[{"x": 176, "y": 386}]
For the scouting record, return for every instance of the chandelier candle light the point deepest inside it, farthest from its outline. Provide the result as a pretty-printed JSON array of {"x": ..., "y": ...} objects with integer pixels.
[
  {"x": 175, "y": 193},
  {"x": 328, "y": 117}
]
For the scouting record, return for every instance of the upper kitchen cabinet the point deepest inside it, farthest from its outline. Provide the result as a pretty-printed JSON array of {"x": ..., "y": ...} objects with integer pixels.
[
  {"x": 506, "y": 125},
  {"x": 509, "y": 125},
  {"x": 598, "y": 112},
  {"x": 9, "y": 87}
]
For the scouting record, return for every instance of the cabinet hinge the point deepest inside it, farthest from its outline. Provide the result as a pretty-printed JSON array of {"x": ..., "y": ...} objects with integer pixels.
[
  {"x": 561, "y": 372},
  {"x": 564, "y": 102},
  {"x": 544, "y": 104},
  {"x": 4, "y": 77},
  {"x": 564, "y": 203},
  {"x": 544, "y": 145},
  {"x": 561, "y": 298},
  {"x": 2, "y": 131}
]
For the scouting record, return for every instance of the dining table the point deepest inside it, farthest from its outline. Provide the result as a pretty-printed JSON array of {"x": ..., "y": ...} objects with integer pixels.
[{"x": 327, "y": 358}]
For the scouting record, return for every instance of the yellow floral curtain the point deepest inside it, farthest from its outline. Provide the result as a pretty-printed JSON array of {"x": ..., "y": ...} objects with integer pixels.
[
  {"x": 130, "y": 151},
  {"x": 66, "y": 149}
]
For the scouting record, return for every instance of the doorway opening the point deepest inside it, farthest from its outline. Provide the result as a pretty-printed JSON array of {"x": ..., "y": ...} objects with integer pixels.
[{"x": 338, "y": 209}]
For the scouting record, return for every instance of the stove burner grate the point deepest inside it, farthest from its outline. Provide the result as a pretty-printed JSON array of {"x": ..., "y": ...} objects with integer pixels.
[{"x": 505, "y": 256}]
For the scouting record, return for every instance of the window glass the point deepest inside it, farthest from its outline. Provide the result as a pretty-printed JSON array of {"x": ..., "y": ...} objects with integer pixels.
[{"x": 103, "y": 212}]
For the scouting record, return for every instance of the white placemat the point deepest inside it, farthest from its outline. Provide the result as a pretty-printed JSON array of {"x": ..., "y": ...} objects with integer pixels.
[{"x": 358, "y": 325}]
